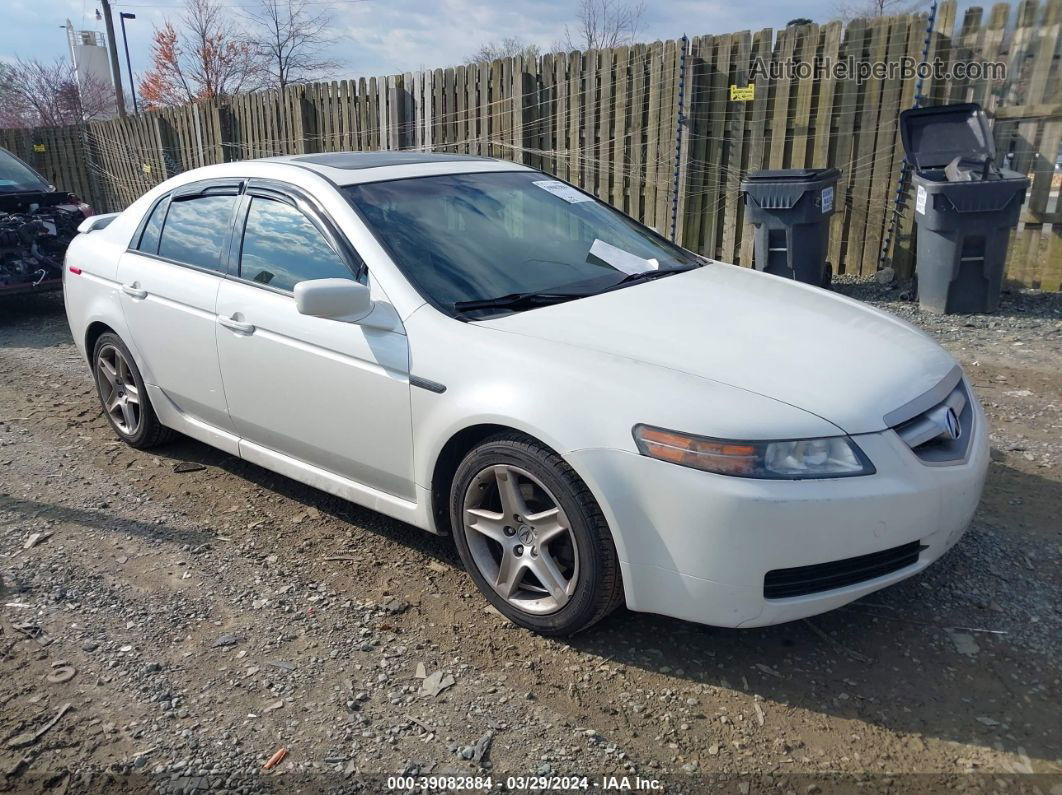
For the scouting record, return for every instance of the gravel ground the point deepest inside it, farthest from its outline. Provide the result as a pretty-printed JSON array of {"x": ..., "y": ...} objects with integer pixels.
[{"x": 185, "y": 615}]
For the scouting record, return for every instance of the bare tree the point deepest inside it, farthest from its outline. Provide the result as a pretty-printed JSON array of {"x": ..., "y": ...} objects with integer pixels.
[
  {"x": 603, "y": 24},
  {"x": 206, "y": 58},
  {"x": 864, "y": 9},
  {"x": 289, "y": 36},
  {"x": 38, "y": 94},
  {"x": 509, "y": 47}
]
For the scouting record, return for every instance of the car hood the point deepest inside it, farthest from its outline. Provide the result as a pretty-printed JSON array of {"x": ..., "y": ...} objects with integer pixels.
[{"x": 815, "y": 350}]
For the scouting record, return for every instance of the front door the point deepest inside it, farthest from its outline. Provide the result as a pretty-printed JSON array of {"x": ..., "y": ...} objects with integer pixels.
[{"x": 329, "y": 393}]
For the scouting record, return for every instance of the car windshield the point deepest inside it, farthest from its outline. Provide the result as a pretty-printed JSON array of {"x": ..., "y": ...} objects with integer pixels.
[
  {"x": 471, "y": 238},
  {"x": 17, "y": 177}
]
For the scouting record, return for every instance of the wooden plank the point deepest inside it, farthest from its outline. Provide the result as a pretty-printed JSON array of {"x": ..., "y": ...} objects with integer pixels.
[
  {"x": 882, "y": 175},
  {"x": 1051, "y": 271},
  {"x": 620, "y": 183},
  {"x": 737, "y": 121},
  {"x": 864, "y": 153},
  {"x": 638, "y": 133},
  {"x": 757, "y": 151},
  {"x": 652, "y": 145},
  {"x": 603, "y": 124},
  {"x": 574, "y": 120},
  {"x": 827, "y": 89},
  {"x": 714, "y": 182},
  {"x": 780, "y": 96},
  {"x": 1044, "y": 170},
  {"x": 845, "y": 112},
  {"x": 809, "y": 36}
]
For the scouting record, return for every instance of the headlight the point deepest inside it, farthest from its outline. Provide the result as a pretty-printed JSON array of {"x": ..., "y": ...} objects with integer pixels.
[{"x": 830, "y": 457}]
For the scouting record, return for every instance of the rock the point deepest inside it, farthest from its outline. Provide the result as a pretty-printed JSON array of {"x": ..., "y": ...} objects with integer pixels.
[
  {"x": 482, "y": 749},
  {"x": 225, "y": 640},
  {"x": 434, "y": 684},
  {"x": 395, "y": 606},
  {"x": 964, "y": 643},
  {"x": 188, "y": 466},
  {"x": 885, "y": 276},
  {"x": 90, "y": 646},
  {"x": 34, "y": 539}
]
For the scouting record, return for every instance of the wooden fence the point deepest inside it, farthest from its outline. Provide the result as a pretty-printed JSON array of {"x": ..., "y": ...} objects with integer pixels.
[{"x": 607, "y": 120}]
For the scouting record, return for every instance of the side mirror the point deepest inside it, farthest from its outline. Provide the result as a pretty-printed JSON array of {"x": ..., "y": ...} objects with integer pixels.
[{"x": 333, "y": 299}]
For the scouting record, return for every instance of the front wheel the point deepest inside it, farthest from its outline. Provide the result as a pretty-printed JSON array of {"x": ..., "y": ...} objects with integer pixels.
[{"x": 532, "y": 537}]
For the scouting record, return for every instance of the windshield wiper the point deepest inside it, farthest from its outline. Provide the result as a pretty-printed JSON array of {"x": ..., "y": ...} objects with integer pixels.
[
  {"x": 527, "y": 300},
  {"x": 646, "y": 276}
]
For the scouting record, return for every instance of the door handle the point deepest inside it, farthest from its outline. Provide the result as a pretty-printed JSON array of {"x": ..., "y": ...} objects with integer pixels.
[
  {"x": 236, "y": 325},
  {"x": 133, "y": 291}
]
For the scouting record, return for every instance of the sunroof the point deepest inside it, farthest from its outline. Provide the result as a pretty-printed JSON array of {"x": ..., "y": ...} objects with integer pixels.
[{"x": 358, "y": 160}]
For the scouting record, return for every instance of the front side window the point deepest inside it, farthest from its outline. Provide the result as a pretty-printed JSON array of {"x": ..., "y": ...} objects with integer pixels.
[
  {"x": 468, "y": 239},
  {"x": 282, "y": 247},
  {"x": 196, "y": 230}
]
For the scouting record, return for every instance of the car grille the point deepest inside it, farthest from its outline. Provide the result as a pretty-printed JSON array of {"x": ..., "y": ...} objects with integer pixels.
[
  {"x": 928, "y": 434},
  {"x": 804, "y": 580}
]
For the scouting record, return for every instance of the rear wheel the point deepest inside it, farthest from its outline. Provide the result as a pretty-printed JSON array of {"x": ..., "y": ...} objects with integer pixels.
[
  {"x": 532, "y": 537},
  {"x": 123, "y": 396}
]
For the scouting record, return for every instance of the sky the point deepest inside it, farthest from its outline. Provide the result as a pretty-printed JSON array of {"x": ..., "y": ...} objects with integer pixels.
[{"x": 377, "y": 37}]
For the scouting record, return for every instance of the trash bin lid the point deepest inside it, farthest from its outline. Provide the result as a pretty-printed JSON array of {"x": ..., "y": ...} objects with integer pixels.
[
  {"x": 791, "y": 175},
  {"x": 933, "y": 137}
]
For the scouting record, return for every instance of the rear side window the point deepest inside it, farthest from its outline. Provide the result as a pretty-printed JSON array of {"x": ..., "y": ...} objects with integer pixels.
[
  {"x": 196, "y": 230},
  {"x": 282, "y": 247},
  {"x": 149, "y": 240}
]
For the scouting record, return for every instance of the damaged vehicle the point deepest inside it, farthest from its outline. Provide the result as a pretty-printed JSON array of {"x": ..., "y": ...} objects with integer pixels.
[{"x": 37, "y": 223}]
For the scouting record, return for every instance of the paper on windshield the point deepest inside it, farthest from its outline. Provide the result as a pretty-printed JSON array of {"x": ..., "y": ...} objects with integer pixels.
[
  {"x": 623, "y": 260},
  {"x": 566, "y": 192}
]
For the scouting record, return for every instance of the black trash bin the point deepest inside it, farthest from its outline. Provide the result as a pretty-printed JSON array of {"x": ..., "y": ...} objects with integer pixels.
[
  {"x": 790, "y": 211},
  {"x": 965, "y": 207}
]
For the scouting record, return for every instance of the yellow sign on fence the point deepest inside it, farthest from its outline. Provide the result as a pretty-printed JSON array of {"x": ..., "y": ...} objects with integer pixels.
[
  {"x": 40, "y": 148},
  {"x": 743, "y": 93}
]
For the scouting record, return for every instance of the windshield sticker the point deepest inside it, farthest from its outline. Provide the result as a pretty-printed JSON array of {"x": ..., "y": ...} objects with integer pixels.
[
  {"x": 566, "y": 192},
  {"x": 622, "y": 260}
]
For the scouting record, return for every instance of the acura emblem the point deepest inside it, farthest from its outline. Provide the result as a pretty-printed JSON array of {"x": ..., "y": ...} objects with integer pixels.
[{"x": 952, "y": 426}]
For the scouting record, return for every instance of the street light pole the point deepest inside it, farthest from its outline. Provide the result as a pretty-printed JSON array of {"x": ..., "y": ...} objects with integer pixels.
[
  {"x": 124, "y": 15},
  {"x": 119, "y": 94}
]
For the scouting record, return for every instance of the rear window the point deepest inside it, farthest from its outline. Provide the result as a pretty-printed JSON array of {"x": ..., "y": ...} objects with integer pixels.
[{"x": 196, "y": 230}]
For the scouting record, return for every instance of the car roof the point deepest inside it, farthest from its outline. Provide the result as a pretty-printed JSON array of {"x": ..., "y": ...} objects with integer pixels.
[{"x": 349, "y": 168}]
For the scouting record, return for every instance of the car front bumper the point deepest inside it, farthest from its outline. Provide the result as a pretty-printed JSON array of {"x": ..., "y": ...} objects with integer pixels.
[{"x": 697, "y": 546}]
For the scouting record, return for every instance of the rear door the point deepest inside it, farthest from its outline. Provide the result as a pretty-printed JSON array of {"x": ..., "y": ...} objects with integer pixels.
[
  {"x": 326, "y": 392},
  {"x": 169, "y": 283}
]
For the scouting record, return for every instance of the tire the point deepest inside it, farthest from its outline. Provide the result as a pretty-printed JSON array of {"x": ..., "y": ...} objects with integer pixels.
[
  {"x": 144, "y": 429},
  {"x": 570, "y": 547}
]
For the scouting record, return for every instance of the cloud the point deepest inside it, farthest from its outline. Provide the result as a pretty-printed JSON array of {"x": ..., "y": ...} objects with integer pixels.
[{"x": 380, "y": 37}]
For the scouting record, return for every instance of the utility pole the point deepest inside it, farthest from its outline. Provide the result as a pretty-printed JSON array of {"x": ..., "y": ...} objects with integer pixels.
[
  {"x": 112, "y": 46},
  {"x": 128, "y": 64}
]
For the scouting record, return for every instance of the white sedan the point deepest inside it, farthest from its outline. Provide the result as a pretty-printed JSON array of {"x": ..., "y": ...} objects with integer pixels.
[{"x": 594, "y": 414}]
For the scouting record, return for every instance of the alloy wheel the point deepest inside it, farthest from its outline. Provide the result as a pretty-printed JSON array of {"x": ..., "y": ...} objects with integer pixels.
[
  {"x": 118, "y": 390},
  {"x": 520, "y": 539}
]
